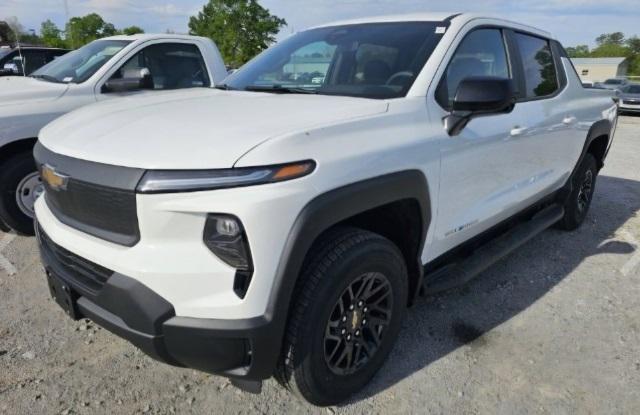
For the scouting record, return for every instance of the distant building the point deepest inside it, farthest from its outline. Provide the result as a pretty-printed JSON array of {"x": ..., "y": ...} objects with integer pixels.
[{"x": 600, "y": 69}]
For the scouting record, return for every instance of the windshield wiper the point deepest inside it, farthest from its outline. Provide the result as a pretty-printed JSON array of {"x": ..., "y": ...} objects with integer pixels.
[
  {"x": 279, "y": 89},
  {"x": 47, "y": 78},
  {"x": 225, "y": 87}
]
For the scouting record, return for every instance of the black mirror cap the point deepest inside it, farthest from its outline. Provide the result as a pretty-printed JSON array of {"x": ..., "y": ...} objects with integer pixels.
[
  {"x": 145, "y": 81},
  {"x": 484, "y": 94}
]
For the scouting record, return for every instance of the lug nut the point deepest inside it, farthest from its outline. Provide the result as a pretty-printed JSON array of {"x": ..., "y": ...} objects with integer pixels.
[
  {"x": 360, "y": 303},
  {"x": 343, "y": 331},
  {"x": 351, "y": 307},
  {"x": 357, "y": 332},
  {"x": 364, "y": 321},
  {"x": 344, "y": 318},
  {"x": 348, "y": 337},
  {"x": 365, "y": 309}
]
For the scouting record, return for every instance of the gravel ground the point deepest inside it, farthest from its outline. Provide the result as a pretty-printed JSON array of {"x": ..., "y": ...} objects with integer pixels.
[{"x": 553, "y": 328}]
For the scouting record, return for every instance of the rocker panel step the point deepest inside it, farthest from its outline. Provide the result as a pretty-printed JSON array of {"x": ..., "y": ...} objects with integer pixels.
[{"x": 457, "y": 274}]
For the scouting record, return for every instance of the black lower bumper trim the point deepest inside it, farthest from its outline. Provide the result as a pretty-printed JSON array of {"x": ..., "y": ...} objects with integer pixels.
[{"x": 241, "y": 349}]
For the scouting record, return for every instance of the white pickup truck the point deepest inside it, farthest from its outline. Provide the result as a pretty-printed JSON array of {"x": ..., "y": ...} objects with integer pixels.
[
  {"x": 104, "y": 69},
  {"x": 281, "y": 225}
]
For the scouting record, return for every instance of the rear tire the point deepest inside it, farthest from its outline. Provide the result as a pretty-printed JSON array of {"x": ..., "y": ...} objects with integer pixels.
[
  {"x": 577, "y": 204},
  {"x": 346, "y": 315},
  {"x": 14, "y": 173}
]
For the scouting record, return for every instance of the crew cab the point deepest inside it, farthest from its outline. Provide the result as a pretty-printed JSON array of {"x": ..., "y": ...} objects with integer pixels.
[
  {"x": 21, "y": 61},
  {"x": 107, "y": 68},
  {"x": 281, "y": 225}
]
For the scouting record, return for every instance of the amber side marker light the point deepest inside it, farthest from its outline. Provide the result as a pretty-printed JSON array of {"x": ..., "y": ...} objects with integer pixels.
[{"x": 293, "y": 171}]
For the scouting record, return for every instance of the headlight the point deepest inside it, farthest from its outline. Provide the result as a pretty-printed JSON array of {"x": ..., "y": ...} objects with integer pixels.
[{"x": 173, "y": 181}]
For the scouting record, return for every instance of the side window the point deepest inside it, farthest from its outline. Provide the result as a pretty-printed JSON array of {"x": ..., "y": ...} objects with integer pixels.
[
  {"x": 172, "y": 66},
  {"x": 33, "y": 59},
  {"x": 481, "y": 53},
  {"x": 539, "y": 68}
]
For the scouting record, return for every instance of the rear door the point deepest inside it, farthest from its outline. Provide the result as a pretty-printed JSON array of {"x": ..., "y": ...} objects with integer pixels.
[{"x": 550, "y": 127}]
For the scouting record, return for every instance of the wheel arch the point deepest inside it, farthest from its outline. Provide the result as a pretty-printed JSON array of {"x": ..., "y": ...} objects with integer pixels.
[
  {"x": 328, "y": 210},
  {"x": 597, "y": 142},
  {"x": 15, "y": 147}
]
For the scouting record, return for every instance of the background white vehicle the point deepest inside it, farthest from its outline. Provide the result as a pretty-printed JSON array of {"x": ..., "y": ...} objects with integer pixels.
[
  {"x": 291, "y": 223},
  {"x": 106, "y": 68}
]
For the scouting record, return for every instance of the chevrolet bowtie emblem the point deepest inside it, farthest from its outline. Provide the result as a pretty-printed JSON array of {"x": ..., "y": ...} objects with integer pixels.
[{"x": 54, "y": 180}]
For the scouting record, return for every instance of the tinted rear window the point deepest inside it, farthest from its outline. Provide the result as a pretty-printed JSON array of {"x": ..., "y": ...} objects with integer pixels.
[{"x": 538, "y": 64}]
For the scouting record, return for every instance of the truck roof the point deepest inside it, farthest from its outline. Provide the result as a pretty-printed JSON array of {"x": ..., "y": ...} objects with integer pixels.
[
  {"x": 458, "y": 18},
  {"x": 151, "y": 36}
]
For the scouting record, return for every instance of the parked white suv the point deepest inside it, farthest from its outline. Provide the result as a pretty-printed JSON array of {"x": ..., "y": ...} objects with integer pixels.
[
  {"x": 281, "y": 226},
  {"x": 106, "y": 68}
]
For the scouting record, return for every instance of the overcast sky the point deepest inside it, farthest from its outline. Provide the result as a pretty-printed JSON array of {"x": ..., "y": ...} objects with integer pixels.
[{"x": 572, "y": 21}]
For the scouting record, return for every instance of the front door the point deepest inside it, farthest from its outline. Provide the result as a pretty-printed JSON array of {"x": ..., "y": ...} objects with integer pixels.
[{"x": 483, "y": 170}]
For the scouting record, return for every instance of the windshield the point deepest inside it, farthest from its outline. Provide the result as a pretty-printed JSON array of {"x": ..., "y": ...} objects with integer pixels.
[
  {"x": 379, "y": 60},
  {"x": 4, "y": 52},
  {"x": 79, "y": 65},
  {"x": 632, "y": 89},
  {"x": 613, "y": 81}
]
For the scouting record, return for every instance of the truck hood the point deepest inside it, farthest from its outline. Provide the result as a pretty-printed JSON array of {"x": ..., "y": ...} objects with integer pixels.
[
  {"x": 19, "y": 90},
  {"x": 627, "y": 95},
  {"x": 193, "y": 129}
]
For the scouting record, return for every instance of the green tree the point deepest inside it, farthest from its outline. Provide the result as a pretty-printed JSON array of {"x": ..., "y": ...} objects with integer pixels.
[
  {"x": 12, "y": 31},
  {"x": 132, "y": 30},
  {"x": 608, "y": 50},
  {"x": 240, "y": 28},
  {"x": 633, "y": 43},
  {"x": 615, "y": 38},
  {"x": 82, "y": 30},
  {"x": 51, "y": 35},
  {"x": 579, "y": 51},
  {"x": 6, "y": 33}
]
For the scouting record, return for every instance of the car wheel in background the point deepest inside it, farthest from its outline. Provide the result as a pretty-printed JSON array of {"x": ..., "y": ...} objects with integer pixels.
[{"x": 20, "y": 186}]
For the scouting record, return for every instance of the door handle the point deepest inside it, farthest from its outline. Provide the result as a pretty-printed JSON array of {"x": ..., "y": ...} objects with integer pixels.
[
  {"x": 517, "y": 130},
  {"x": 569, "y": 120}
]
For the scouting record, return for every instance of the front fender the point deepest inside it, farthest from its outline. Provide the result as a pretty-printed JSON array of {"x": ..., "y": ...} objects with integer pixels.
[{"x": 21, "y": 126}]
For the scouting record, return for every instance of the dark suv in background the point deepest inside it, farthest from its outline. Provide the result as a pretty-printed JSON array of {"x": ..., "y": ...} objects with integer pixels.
[{"x": 26, "y": 59}]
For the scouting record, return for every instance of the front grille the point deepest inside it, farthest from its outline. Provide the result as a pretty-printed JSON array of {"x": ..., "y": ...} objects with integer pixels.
[
  {"x": 82, "y": 272},
  {"x": 631, "y": 102},
  {"x": 101, "y": 211}
]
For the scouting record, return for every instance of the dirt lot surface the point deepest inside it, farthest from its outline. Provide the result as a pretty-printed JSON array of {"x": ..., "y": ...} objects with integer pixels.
[{"x": 554, "y": 328}]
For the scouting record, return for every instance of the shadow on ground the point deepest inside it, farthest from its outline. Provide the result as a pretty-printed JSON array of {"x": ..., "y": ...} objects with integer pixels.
[{"x": 436, "y": 326}]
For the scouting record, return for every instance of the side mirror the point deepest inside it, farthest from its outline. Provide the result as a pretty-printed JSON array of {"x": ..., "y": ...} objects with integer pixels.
[
  {"x": 11, "y": 68},
  {"x": 132, "y": 80},
  {"x": 478, "y": 96}
]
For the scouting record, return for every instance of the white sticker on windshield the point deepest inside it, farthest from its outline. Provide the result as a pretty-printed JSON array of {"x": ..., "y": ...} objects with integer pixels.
[
  {"x": 67, "y": 79},
  {"x": 440, "y": 30}
]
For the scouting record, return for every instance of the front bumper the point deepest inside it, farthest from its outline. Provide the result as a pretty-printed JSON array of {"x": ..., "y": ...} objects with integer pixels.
[
  {"x": 625, "y": 107},
  {"x": 234, "y": 348}
]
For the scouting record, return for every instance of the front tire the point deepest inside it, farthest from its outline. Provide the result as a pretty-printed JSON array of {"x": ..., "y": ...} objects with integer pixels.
[
  {"x": 346, "y": 315},
  {"x": 20, "y": 185},
  {"x": 577, "y": 204}
]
